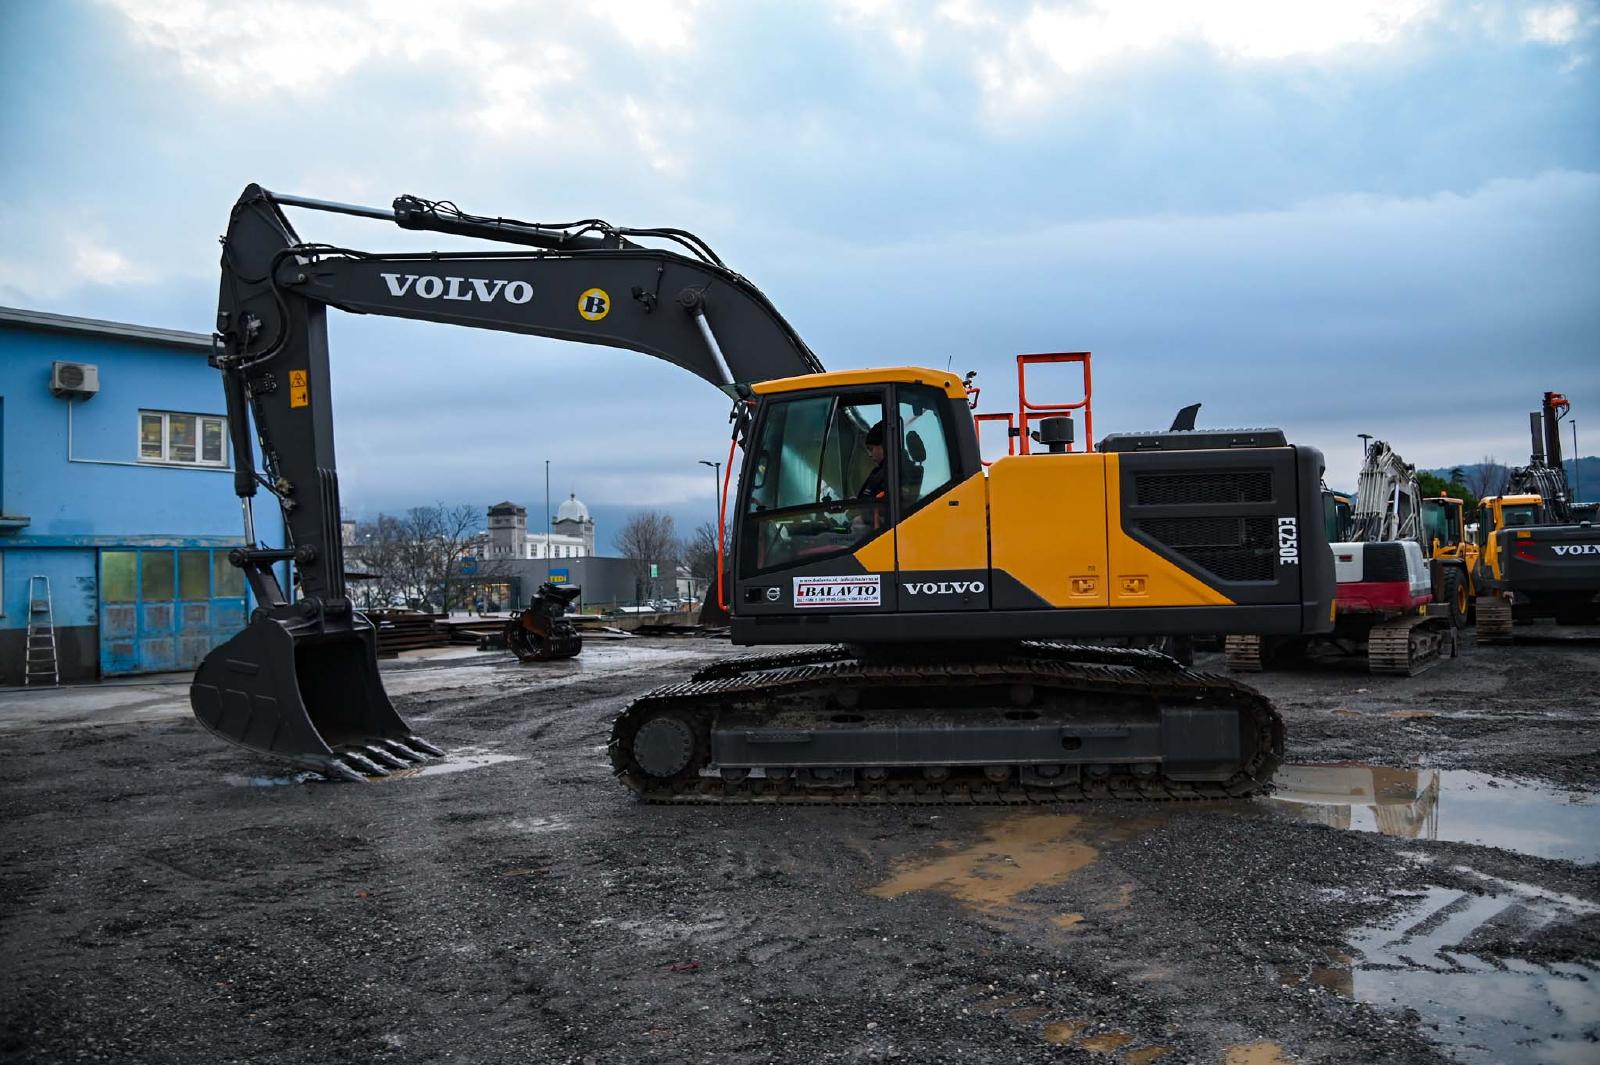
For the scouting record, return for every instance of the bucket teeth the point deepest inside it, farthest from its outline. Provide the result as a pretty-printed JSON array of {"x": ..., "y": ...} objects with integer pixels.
[
  {"x": 403, "y": 751},
  {"x": 383, "y": 757},
  {"x": 364, "y": 763},
  {"x": 339, "y": 769},
  {"x": 423, "y": 745}
]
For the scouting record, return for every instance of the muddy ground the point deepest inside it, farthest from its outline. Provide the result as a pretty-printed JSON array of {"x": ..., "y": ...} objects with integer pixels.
[{"x": 167, "y": 898}]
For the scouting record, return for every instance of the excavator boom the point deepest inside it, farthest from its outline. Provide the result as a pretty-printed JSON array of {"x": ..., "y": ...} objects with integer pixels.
[{"x": 301, "y": 682}]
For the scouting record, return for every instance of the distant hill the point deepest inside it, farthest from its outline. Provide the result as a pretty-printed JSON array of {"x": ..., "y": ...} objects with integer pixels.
[{"x": 1583, "y": 474}]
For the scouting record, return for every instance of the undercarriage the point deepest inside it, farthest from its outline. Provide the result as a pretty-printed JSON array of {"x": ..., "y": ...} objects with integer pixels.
[
  {"x": 1402, "y": 646},
  {"x": 1032, "y": 723}
]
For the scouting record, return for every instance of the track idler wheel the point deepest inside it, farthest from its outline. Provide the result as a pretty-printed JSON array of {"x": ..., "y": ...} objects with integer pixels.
[{"x": 668, "y": 747}]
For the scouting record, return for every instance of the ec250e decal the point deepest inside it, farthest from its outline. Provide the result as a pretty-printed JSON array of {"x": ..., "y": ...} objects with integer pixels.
[
  {"x": 838, "y": 591},
  {"x": 1288, "y": 542}
]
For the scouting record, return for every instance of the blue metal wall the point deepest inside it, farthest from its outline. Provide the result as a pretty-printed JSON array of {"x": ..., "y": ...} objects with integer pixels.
[{"x": 100, "y": 495}]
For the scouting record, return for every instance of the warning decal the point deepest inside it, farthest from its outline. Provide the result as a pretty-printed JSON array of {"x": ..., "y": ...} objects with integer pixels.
[
  {"x": 299, "y": 392},
  {"x": 837, "y": 591}
]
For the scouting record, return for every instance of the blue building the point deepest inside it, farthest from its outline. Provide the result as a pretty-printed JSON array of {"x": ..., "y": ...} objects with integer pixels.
[{"x": 115, "y": 484}]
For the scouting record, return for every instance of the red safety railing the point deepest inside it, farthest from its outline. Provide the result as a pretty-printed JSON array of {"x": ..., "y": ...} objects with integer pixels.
[
  {"x": 722, "y": 524},
  {"x": 1029, "y": 411},
  {"x": 1019, "y": 425},
  {"x": 1010, "y": 421}
]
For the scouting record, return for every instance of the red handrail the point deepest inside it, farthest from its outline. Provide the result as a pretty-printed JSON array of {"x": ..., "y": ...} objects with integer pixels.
[
  {"x": 722, "y": 524},
  {"x": 1011, "y": 436},
  {"x": 1029, "y": 411}
]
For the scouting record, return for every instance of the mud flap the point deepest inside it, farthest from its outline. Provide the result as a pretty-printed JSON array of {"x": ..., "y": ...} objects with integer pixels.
[{"x": 308, "y": 694}]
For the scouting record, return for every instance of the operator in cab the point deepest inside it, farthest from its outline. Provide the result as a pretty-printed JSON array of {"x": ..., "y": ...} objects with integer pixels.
[{"x": 876, "y": 484}]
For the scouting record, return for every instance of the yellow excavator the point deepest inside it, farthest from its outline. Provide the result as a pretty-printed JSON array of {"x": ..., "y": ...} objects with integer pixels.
[{"x": 928, "y": 600}]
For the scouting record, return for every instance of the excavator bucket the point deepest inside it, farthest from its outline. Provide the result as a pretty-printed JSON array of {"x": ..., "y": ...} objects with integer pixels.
[{"x": 308, "y": 695}]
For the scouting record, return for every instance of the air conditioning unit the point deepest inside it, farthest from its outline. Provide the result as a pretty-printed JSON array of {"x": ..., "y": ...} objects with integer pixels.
[{"x": 74, "y": 379}]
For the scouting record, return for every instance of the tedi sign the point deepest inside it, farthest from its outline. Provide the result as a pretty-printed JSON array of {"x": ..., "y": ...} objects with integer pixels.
[{"x": 475, "y": 289}]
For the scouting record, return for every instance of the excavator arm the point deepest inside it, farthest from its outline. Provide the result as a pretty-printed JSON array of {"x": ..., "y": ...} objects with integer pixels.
[
  {"x": 301, "y": 681},
  {"x": 1388, "y": 498}
]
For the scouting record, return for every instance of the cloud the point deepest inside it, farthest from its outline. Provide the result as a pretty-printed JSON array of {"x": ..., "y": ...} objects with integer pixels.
[
  {"x": 78, "y": 253},
  {"x": 1342, "y": 218},
  {"x": 305, "y": 47},
  {"x": 1551, "y": 24},
  {"x": 1024, "y": 59}
]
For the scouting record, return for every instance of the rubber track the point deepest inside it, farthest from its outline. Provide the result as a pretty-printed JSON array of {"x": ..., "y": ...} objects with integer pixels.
[
  {"x": 1406, "y": 646},
  {"x": 1042, "y": 665},
  {"x": 1244, "y": 654},
  {"x": 1495, "y": 620}
]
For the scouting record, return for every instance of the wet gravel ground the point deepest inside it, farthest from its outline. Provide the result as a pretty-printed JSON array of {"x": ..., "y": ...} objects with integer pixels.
[{"x": 166, "y": 898}]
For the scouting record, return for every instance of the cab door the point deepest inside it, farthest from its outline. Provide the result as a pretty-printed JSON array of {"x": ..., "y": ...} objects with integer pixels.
[
  {"x": 941, "y": 510},
  {"x": 815, "y": 533}
]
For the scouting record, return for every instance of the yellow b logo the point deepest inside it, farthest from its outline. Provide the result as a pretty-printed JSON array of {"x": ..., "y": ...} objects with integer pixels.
[{"x": 594, "y": 304}]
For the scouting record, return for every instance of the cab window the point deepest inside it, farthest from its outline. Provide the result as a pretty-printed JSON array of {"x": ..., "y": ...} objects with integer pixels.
[
  {"x": 1520, "y": 516},
  {"x": 1335, "y": 517},
  {"x": 811, "y": 487},
  {"x": 925, "y": 465}
]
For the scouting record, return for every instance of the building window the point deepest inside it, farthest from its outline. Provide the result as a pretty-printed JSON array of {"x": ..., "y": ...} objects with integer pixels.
[{"x": 183, "y": 439}]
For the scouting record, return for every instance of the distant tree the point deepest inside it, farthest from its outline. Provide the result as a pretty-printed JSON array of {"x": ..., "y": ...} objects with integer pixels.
[
  {"x": 431, "y": 542},
  {"x": 648, "y": 538},
  {"x": 1487, "y": 478},
  {"x": 378, "y": 546},
  {"x": 700, "y": 551},
  {"x": 1434, "y": 485},
  {"x": 700, "y": 554}
]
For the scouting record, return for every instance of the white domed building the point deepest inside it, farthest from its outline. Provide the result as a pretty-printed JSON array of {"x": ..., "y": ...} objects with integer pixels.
[
  {"x": 571, "y": 532},
  {"x": 572, "y": 526}
]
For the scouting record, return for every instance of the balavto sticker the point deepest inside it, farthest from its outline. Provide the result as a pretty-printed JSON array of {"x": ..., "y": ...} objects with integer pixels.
[{"x": 837, "y": 591}]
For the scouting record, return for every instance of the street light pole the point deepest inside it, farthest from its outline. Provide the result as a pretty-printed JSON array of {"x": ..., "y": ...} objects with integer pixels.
[
  {"x": 547, "y": 522},
  {"x": 1577, "y": 482},
  {"x": 716, "y": 516}
]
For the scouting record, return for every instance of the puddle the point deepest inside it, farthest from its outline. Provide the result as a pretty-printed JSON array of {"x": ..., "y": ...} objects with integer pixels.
[
  {"x": 1106, "y": 1042},
  {"x": 539, "y": 825},
  {"x": 1016, "y": 855},
  {"x": 468, "y": 668},
  {"x": 1061, "y": 1032},
  {"x": 1485, "y": 1010},
  {"x": 1335, "y": 976},
  {"x": 1255, "y": 1054},
  {"x": 1452, "y": 805},
  {"x": 1146, "y": 1055},
  {"x": 453, "y": 762},
  {"x": 238, "y": 781}
]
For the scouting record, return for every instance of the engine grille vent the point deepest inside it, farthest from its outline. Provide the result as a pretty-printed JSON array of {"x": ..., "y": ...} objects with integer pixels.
[
  {"x": 1233, "y": 549},
  {"x": 1183, "y": 489}
]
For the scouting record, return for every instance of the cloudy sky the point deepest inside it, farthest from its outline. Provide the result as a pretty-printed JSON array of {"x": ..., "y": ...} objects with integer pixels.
[{"x": 1335, "y": 217}]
